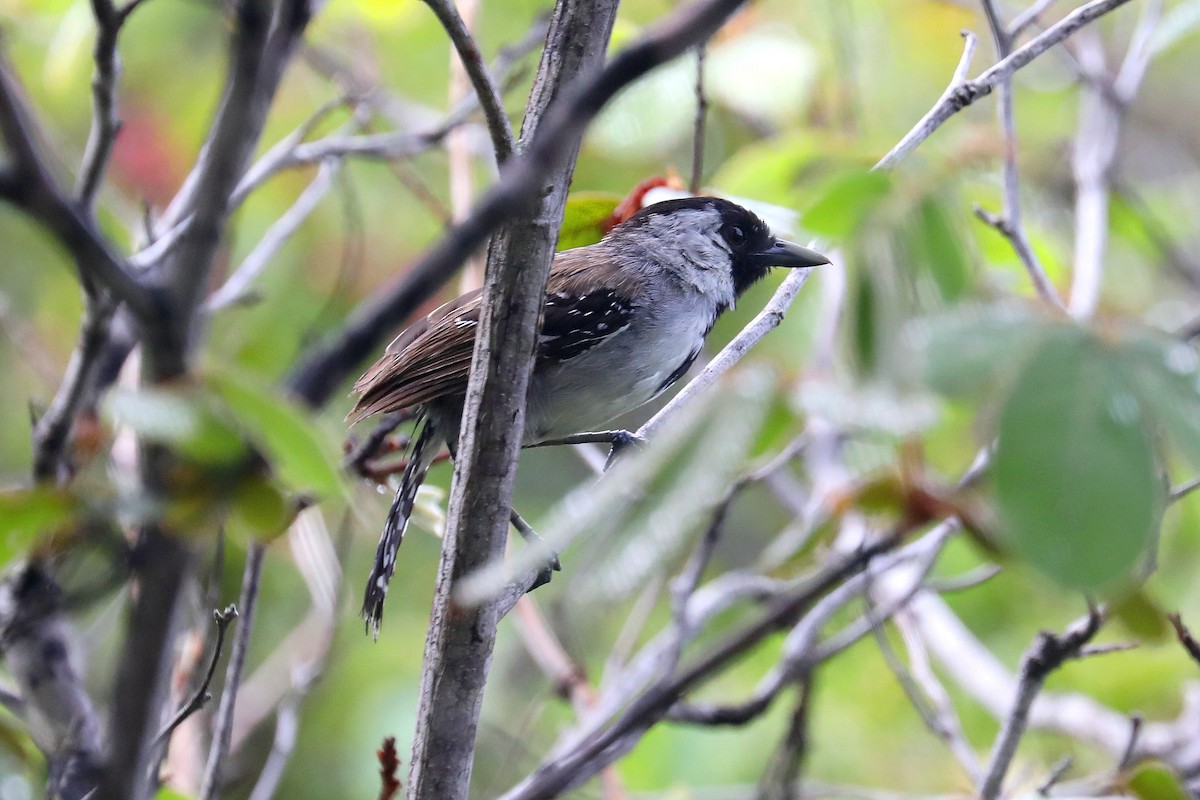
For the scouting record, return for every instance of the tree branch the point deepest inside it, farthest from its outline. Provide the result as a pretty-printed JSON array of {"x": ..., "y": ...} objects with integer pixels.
[
  {"x": 1046, "y": 655},
  {"x": 962, "y": 93},
  {"x": 485, "y": 88},
  {"x": 316, "y": 377},
  {"x": 1009, "y": 222},
  {"x": 223, "y": 723},
  {"x": 459, "y": 644},
  {"x": 31, "y": 186}
]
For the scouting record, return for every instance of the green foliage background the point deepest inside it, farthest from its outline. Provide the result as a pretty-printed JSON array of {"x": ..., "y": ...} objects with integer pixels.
[{"x": 806, "y": 96}]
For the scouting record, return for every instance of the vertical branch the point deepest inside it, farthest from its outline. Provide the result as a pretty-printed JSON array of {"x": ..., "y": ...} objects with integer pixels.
[
  {"x": 1047, "y": 654},
  {"x": 459, "y": 646},
  {"x": 779, "y": 780},
  {"x": 1102, "y": 105},
  {"x": 699, "y": 124},
  {"x": 458, "y": 151},
  {"x": 223, "y": 724},
  {"x": 1009, "y": 222}
]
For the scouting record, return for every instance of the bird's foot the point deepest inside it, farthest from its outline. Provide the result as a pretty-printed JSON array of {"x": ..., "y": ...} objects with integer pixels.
[
  {"x": 621, "y": 441},
  {"x": 531, "y": 537}
]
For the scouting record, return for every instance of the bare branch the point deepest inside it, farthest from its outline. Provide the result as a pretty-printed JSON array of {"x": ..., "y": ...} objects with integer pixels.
[
  {"x": 779, "y": 780},
  {"x": 1028, "y": 17},
  {"x": 223, "y": 723},
  {"x": 53, "y": 428},
  {"x": 1102, "y": 106},
  {"x": 237, "y": 288},
  {"x": 1185, "y": 637},
  {"x": 1047, "y": 654},
  {"x": 36, "y": 643},
  {"x": 30, "y": 185},
  {"x": 485, "y": 88},
  {"x": 698, "y": 126},
  {"x": 959, "y": 95},
  {"x": 105, "y": 120},
  {"x": 460, "y": 639},
  {"x": 1009, "y": 222},
  {"x": 200, "y": 698}
]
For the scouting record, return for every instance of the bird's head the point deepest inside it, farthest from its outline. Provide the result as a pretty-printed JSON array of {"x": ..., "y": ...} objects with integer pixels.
[{"x": 712, "y": 243}]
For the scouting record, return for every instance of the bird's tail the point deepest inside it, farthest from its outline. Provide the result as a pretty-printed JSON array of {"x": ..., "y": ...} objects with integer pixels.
[{"x": 424, "y": 449}]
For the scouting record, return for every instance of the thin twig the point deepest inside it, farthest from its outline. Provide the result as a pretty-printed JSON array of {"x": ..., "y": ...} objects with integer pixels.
[
  {"x": 1009, "y": 222},
  {"x": 223, "y": 620},
  {"x": 237, "y": 288},
  {"x": 30, "y": 185},
  {"x": 1185, "y": 637},
  {"x": 783, "y": 770},
  {"x": 1028, "y": 17},
  {"x": 1048, "y": 653},
  {"x": 698, "y": 126},
  {"x": 1102, "y": 106},
  {"x": 485, "y": 88},
  {"x": 223, "y": 723},
  {"x": 959, "y": 95},
  {"x": 105, "y": 120},
  {"x": 1056, "y": 774}
]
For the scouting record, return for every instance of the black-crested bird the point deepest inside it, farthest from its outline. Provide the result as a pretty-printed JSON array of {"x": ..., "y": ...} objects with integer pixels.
[{"x": 623, "y": 320}]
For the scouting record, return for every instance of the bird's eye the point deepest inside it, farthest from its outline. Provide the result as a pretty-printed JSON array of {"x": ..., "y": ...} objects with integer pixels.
[{"x": 735, "y": 235}]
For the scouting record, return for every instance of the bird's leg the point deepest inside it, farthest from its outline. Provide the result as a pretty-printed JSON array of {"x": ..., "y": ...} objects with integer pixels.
[
  {"x": 530, "y": 536},
  {"x": 618, "y": 439}
]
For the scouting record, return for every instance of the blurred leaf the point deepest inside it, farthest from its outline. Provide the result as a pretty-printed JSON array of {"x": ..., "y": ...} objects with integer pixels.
[
  {"x": 180, "y": 417},
  {"x": 1075, "y": 471},
  {"x": 1165, "y": 374},
  {"x": 768, "y": 169},
  {"x": 865, "y": 323},
  {"x": 258, "y": 510},
  {"x": 1154, "y": 780},
  {"x": 866, "y": 407},
  {"x": 845, "y": 203},
  {"x": 936, "y": 245},
  {"x": 970, "y": 349},
  {"x": 170, "y": 794},
  {"x": 1141, "y": 616},
  {"x": 28, "y": 514},
  {"x": 584, "y": 218},
  {"x": 301, "y": 458},
  {"x": 786, "y": 67}
]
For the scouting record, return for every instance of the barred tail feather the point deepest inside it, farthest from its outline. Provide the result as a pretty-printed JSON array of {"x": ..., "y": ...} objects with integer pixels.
[{"x": 424, "y": 449}]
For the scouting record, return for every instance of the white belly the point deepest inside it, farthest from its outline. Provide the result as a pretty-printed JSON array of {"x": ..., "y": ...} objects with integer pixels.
[{"x": 621, "y": 373}]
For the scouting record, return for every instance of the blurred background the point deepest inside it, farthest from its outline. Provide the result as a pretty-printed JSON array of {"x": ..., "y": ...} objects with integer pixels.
[{"x": 804, "y": 98}]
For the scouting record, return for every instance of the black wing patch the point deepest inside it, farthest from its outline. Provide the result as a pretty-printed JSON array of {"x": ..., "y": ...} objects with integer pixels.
[
  {"x": 574, "y": 323},
  {"x": 679, "y": 372}
]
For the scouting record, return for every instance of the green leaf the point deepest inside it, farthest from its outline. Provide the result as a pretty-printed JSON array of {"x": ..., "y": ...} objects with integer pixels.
[
  {"x": 1154, "y": 780},
  {"x": 1165, "y": 373},
  {"x": 846, "y": 203},
  {"x": 584, "y": 218},
  {"x": 27, "y": 514},
  {"x": 180, "y": 417},
  {"x": 1077, "y": 487},
  {"x": 300, "y": 457},
  {"x": 259, "y": 510},
  {"x": 936, "y": 245},
  {"x": 972, "y": 349}
]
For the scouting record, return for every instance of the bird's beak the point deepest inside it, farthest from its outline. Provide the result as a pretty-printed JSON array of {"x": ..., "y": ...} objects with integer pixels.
[{"x": 788, "y": 254}]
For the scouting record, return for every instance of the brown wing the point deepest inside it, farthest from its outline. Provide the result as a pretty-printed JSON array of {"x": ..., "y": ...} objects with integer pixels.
[
  {"x": 428, "y": 360},
  {"x": 586, "y": 302}
]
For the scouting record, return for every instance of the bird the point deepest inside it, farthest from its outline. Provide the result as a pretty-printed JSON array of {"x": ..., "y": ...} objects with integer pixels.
[{"x": 623, "y": 319}]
